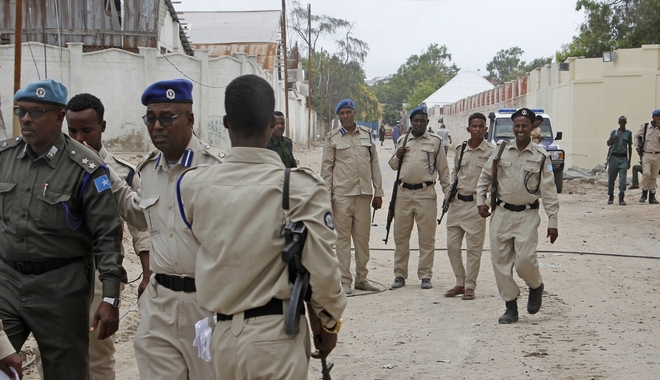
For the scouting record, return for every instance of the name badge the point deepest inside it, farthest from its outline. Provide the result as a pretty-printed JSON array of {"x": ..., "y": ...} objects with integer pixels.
[{"x": 365, "y": 142}]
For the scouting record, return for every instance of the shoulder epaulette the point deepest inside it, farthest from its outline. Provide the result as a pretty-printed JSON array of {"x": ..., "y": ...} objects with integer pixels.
[
  {"x": 490, "y": 144},
  {"x": 362, "y": 127},
  {"x": 308, "y": 171},
  {"x": 542, "y": 150},
  {"x": 83, "y": 156},
  {"x": 131, "y": 169},
  {"x": 151, "y": 156},
  {"x": 123, "y": 162},
  {"x": 10, "y": 143},
  {"x": 332, "y": 133},
  {"x": 214, "y": 152}
]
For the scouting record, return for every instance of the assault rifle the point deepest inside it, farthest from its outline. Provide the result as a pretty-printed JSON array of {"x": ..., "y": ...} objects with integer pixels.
[
  {"x": 453, "y": 190},
  {"x": 495, "y": 184},
  {"x": 390, "y": 211}
]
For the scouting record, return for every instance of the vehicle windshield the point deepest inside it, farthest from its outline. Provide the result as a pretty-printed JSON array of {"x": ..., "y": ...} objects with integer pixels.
[{"x": 504, "y": 129}]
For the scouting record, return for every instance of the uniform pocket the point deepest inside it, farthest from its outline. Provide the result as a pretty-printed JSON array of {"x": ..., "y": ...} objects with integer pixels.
[
  {"x": 532, "y": 176},
  {"x": 149, "y": 206},
  {"x": 5, "y": 204},
  {"x": 505, "y": 169},
  {"x": 52, "y": 211}
]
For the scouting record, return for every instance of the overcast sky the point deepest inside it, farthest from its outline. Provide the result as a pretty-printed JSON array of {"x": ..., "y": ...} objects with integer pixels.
[{"x": 473, "y": 30}]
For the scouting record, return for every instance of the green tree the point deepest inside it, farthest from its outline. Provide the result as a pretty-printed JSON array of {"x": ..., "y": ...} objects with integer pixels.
[
  {"x": 507, "y": 65},
  {"x": 391, "y": 114}
]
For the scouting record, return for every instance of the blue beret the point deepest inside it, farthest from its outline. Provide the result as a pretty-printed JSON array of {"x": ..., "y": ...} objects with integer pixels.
[
  {"x": 419, "y": 109},
  {"x": 168, "y": 91},
  {"x": 656, "y": 112},
  {"x": 524, "y": 112},
  {"x": 346, "y": 103},
  {"x": 44, "y": 91}
]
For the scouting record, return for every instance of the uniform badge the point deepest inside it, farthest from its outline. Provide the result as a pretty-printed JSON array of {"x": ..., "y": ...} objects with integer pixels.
[
  {"x": 170, "y": 94},
  {"x": 41, "y": 93},
  {"x": 327, "y": 218},
  {"x": 102, "y": 183},
  {"x": 550, "y": 168},
  {"x": 524, "y": 112},
  {"x": 92, "y": 165},
  {"x": 4, "y": 144},
  {"x": 85, "y": 161},
  {"x": 52, "y": 152}
]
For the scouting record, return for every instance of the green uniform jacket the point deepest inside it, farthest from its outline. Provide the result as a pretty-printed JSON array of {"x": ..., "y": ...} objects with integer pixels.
[{"x": 59, "y": 205}]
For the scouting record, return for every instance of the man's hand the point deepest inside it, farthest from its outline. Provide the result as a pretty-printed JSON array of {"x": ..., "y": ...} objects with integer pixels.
[
  {"x": 13, "y": 361},
  {"x": 483, "y": 211},
  {"x": 324, "y": 342},
  {"x": 401, "y": 152},
  {"x": 377, "y": 203},
  {"x": 106, "y": 319},
  {"x": 553, "y": 233},
  {"x": 146, "y": 272},
  {"x": 90, "y": 148}
]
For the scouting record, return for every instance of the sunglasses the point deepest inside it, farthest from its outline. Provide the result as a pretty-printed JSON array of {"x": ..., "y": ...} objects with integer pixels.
[
  {"x": 34, "y": 113},
  {"x": 164, "y": 120}
]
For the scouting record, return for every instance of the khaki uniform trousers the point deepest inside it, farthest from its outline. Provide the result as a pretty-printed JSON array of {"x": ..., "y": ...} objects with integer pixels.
[
  {"x": 350, "y": 215},
  {"x": 463, "y": 219},
  {"x": 513, "y": 240},
  {"x": 419, "y": 206},
  {"x": 650, "y": 167},
  {"x": 258, "y": 348},
  {"x": 163, "y": 341}
]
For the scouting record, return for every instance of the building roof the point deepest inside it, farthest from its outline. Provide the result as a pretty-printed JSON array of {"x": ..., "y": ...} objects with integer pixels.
[
  {"x": 463, "y": 85},
  {"x": 232, "y": 27}
]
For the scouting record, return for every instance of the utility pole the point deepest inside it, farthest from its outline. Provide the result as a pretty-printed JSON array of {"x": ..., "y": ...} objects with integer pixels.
[
  {"x": 286, "y": 70},
  {"x": 18, "y": 44},
  {"x": 309, "y": 75}
]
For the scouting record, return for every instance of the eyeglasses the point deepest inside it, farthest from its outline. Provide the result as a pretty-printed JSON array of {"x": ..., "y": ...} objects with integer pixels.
[
  {"x": 34, "y": 113},
  {"x": 164, "y": 120}
]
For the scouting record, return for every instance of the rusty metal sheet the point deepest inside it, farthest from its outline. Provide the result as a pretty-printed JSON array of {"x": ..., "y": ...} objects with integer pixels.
[{"x": 266, "y": 52}]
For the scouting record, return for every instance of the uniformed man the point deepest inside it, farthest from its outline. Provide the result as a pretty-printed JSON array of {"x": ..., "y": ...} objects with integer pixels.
[
  {"x": 280, "y": 143},
  {"x": 444, "y": 133},
  {"x": 351, "y": 173},
  {"x": 240, "y": 272},
  {"x": 84, "y": 117},
  {"x": 537, "y": 134},
  {"x": 463, "y": 218},
  {"x": 58, "y": 219},
  {"x": 647, "y": 143},
  {"x": 8, "y": 356},
  {"x": 424, "y": 160},
  {"x": 620, "y": 143},
  {"x": 524, "y": 173},
  {"x": 168, "y": 306}
]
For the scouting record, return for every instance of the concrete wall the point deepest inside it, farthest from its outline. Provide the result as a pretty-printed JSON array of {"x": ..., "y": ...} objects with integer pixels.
[{"x": 118, "y": 78}]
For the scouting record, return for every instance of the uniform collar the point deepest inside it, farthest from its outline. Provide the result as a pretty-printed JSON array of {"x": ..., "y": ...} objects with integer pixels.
[
  {"x": 253, "y": 156},
  {"x": 104, "y": 153},
  {"x": 343, "y": 131},
  {"x": 481, "y": 146},
  {"x": 52, "y": 156},
  {"x": 187, "y": 159},
  {"x": 513, "y": 145},
  {"x": 275, "y": 141},
  {"x": 425, "y": 135}
]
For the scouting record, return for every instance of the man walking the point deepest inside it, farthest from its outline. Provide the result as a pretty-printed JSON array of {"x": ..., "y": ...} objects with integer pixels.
[
  {"x": 647, "y": 140},
  {"x": 446, "y": 136},
  {"x": 524, "y": 172},
  {"x": 618, "y": 161},
  {"x": 422, "y": 160},
  {"x": 463, "y": 217},
  {"x": 281, "y": 144},
  {"x": 381, "y": 134},
  {"x": 352, "y": 176}
]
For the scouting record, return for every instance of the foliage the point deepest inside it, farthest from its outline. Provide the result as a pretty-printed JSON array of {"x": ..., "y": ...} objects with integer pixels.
[
  {"x": 391, "y": 114},
  {"x": 507, "y": 66},
  {"x": 613, "y": 24}
]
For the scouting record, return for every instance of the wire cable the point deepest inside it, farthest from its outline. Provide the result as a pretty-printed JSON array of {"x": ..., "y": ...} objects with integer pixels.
[{"x": 544, "y": 251}]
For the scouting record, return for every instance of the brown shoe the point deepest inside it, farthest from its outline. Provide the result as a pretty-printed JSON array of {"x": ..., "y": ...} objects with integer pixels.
[
  {"x": 456, "y": 290},
  {"x": 469, "y": 295}
]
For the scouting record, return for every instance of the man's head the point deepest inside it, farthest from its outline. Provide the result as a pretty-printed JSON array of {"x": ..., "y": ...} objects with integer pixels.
[
  {"x": 250, "y": 107},
  {"x": 477, "y": 126},
  {"x": 419, "y": 118},
  {"x": 84, "y": 116},
  {"x": 537, "y": 121},
  {"x": 522, "y": 125},
  {"x": 40, "y": 112},
  {"x": 346, "y": 112},
  {"x": 280, "y": 124},
  {"x": 656, "y": 116},
  {"x": 169, "y": 116},
  {"x": 623, "y": 121}
]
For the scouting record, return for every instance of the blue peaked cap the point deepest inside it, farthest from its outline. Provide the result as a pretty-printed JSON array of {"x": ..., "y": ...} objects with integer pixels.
[
  {"x": 656, "y": 112},
  {"x": 45, "y": 91},
  {"x": 168, "y": 91},
  {"x": 420, "y": 109},
  {"x": 346, "y": 103}
]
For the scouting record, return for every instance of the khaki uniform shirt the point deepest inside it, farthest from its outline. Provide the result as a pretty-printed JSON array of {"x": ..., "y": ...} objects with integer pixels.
[
  {"x": 652, "y": 143},
  {"x": 513, "y": 168},
  {"x": 124, "y": 169},
  {"x": 424, "y": 161},
  {"x": 472, "y": 164},
  {"x": 350, "y": 163},
  {"x": 6, "y": 348},
  {"x": 236, "y": 214},
  {"x": 537, "y": 135},
  {"x": 154, "y": 206},
  {"x": 59, "y": 205}
]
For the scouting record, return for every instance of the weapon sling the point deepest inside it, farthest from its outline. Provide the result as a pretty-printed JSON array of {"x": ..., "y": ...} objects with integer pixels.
[
  {"x": 493, "y": 189},
  {"x": 453, "y": 190},
  {"x": 390, "y": 213}
]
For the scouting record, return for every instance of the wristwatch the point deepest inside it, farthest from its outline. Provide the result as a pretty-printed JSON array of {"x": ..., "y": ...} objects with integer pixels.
[
  {"x": 112, "y": 301},
  {"x": 336, "y": 328}
]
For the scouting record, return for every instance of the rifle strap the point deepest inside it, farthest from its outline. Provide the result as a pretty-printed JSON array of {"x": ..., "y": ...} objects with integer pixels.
[
  {"x": 285, "y": 190},
  {"x": 646, "y": 127},
  {"x": 499, "y": 152},
  {"x": 460, "y": 159}
]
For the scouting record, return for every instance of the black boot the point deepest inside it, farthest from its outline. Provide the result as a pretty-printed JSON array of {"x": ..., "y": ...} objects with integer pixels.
[
  {"x": 535, "y": 299},
  {"x": 642, "y": 199},
  {"x": 511, "y": 313},
  {"x": 621, "y": 201},
  {"x": 610, "y": 200},
  {"x": 652, "y": 199}
]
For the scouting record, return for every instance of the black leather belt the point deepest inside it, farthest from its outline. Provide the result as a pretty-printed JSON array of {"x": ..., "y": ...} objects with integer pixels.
[
  {"x": 40, "y": 267},
  {"x": 416, "y": 186},
  {"x": 518, "y": 208},
  {"x": 466, "y": 198},
  {"x": 622, "y": 154},
  {"x": 176, "y": 283},
  {"x": 273, "y": 307},
  {"x": 652, "y": 152}
]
